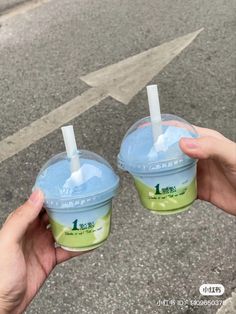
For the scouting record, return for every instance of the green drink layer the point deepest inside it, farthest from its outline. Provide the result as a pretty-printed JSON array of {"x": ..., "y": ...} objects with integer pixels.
[
  {"x": 82, "y": 236},
  {"x": 168, "y": 200}
]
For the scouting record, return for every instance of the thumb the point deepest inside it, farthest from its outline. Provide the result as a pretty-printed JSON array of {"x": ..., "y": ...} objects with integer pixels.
[
  {"x": 18, "y": 222},
  {"x": 210, "y": 147}
]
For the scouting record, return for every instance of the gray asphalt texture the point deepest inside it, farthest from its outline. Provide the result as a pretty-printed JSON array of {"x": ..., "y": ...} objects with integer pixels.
[{"x": 148, "y": 258}]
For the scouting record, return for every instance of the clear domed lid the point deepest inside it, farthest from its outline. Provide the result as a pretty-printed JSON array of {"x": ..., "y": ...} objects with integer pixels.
[
  {"x": 94, "y": 182},
  {"x": 139, "y": 154}
]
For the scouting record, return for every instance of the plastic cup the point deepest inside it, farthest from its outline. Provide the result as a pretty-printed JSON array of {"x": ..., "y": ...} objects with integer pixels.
[
  {"x": 164, "y": 176},
  {"x": 79, "y": 204}
]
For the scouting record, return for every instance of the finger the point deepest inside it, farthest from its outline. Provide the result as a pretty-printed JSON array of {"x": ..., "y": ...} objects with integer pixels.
[
  {"x": 211, "y": 147},
  {"x": 17, "y": 224},
  {"x": 208, "y": 132},
  {"x": 8, "y": 217},
  {"x": 63, "y": 255},
  {"x": 203, "y": 180}
]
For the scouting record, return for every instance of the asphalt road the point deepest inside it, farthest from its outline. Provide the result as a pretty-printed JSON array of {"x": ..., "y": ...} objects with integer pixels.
[{"x": 148, "y": 258}]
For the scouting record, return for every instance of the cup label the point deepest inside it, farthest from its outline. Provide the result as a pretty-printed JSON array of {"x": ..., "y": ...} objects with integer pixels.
[
  {"x": 80, "y": 231},
  {"x": 170, "y": 193}
]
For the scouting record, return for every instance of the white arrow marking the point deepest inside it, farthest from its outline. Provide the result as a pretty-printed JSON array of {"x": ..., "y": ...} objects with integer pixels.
[
  {"x": 21, "y": 8},
  {"x": 122, "y": 81},
  {"x": 126, "y": 78}
]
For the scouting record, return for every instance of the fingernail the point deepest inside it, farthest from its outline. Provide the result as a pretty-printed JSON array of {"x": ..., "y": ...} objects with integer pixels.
[
  {"x": 36, "y": 197},
  {"x": 190, "y": 142}
]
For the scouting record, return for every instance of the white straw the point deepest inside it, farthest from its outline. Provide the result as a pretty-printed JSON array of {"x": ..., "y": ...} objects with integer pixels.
[
  {"x": 71, "y": 147},
  {"x": 155, "y": 113}
]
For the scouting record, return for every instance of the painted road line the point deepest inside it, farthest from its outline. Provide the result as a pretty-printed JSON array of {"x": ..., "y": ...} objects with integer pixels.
[
  {"x": 50, "y": 122},
  {"x": 229, "y": 305},
  {"x": 21, "y": 9},
  {"x": 126, "y": 78},
  {"x": 122, "y": 81}
]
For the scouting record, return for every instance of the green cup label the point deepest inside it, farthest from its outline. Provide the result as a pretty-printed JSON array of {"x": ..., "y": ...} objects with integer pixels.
[
  {"x": 80, "y": 234},
  {"x": 168, "y": 194}
]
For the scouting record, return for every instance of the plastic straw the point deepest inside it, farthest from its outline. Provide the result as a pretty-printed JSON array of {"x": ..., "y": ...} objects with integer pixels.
[
  {"x": 155, "y": 113},
  {"x": 71, "y": 147}
]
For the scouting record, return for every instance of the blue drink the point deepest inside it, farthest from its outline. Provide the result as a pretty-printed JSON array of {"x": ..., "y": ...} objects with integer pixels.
[
  {"x": 79, "y": 204},
  {"x": 164, "y": 176}
]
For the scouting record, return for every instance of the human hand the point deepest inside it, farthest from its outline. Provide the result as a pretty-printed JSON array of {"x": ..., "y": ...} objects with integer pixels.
[
  {"x": 216, "y": 168},
  {"x": 28, "y": 255}
]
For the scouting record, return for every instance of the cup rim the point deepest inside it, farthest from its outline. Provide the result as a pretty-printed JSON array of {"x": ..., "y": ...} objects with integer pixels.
[
  {"x": 157, "y": 166},
  {"x": 79, "y": 203}
]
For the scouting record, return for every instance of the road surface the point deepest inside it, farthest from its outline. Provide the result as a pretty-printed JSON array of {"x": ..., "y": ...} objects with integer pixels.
[{"x": 148, "y": 259}]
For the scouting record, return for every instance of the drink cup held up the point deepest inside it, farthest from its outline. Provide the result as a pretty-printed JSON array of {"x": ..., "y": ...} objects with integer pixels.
[
  {"x": 78, "y": 186},
  {"x": 164, "y": 176}
]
